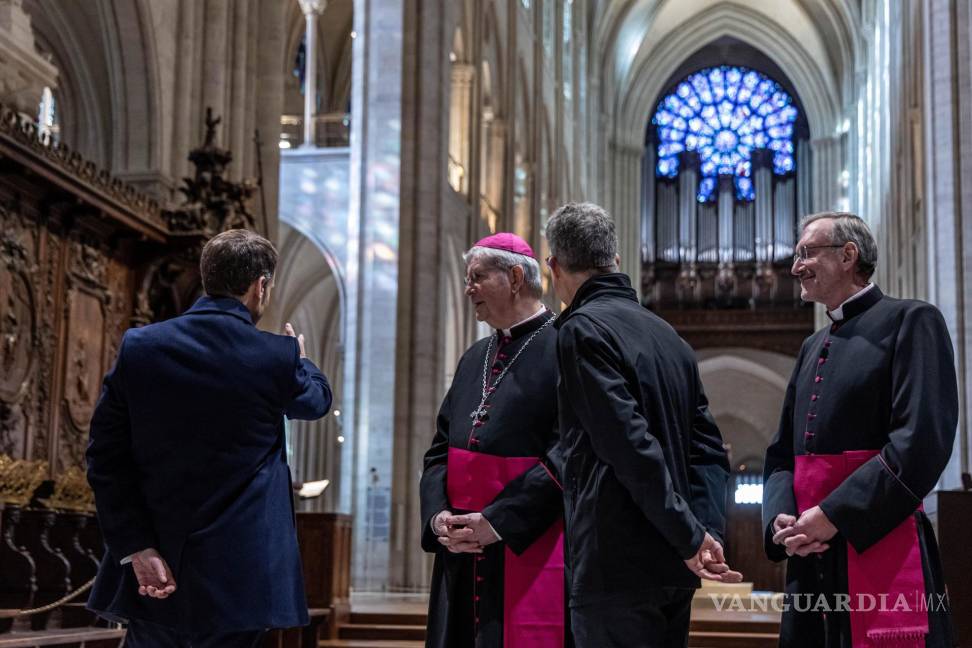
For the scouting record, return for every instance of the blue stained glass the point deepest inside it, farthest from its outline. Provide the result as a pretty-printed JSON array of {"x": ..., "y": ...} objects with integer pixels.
[
  {"x": 725, "y": 114},
  {"x": 668, "y": 167},
  {"x": 706, "y": 188},
  {"x": 744, "y": 189}
]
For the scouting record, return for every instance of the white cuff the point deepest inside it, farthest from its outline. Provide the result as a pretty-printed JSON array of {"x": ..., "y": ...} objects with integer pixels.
[{"x": 127, "y": 559}]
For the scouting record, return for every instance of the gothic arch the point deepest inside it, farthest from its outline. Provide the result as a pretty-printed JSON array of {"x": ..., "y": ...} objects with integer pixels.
[
  {"x": 110, "y": 96},
  {"x": 815, "y": 83},
  {"x": 745, "y": 388}
]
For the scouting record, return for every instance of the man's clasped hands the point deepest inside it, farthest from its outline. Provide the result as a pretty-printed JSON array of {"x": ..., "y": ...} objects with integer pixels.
[
  {"x": 471, "y": 532},
  {"x": 805, "y": 535}
]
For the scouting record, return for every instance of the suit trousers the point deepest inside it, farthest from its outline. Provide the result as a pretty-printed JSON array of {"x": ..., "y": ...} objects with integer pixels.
[
  {"x": 149, "y": 635},
  {"x": 655, "y": 618}
]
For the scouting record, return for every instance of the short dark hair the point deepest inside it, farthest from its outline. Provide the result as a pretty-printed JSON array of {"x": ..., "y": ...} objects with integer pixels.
[
  {"x": 850, "y": 228},
  {"x": 233, "y": 260},
  {"x": 582, "y": 238}
]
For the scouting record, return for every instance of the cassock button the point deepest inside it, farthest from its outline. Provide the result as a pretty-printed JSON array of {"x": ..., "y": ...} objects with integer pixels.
[
  {"x": 476, "y": 598},
  {"x": 480, "y": 579},
  {"x": 496, "y": 370},
  {"x": 811, "y": 416},
  {"x": 506, "y": 340},
  {"x": 502, "y": 356},
  {"x": 814, "y": 397},
  {"x": 818, "y": 379},
  {"x": 821, "y": 361},
  {"x": 827, "y": 343}
]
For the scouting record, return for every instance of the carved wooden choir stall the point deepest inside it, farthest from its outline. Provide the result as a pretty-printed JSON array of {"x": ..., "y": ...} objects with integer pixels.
[{"x": 84, "y": 256}]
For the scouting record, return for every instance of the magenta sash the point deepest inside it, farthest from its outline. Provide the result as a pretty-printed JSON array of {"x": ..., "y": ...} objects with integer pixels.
[
  {"x": 888, "y": 570},
  {"x": 533, "y": 582}
]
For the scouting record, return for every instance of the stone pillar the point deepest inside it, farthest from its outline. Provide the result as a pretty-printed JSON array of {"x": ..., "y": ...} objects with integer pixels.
[
  {"x": 948, "y": 192},
  {"x": 311, "y": 9},
  {"x": 625, "y": 209},
  {"x": 826, "y": 163},
  {"x": 23, "y": 72},
  {"x": 648, "y": 205},
  {"x": 494, "y": 180},
  {"x": 804, "y": 179},
  {"x": 372, "y": 281},
  {"x": 460, "y": 132}
]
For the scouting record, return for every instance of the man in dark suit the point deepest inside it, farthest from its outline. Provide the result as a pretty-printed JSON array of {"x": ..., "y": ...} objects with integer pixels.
[
  {"x": 188, "y": 466},
  {"x": 644, "y": 468}
]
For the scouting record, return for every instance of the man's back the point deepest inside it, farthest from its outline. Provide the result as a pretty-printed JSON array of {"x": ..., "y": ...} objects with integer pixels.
[
  {"x": 187, "y": 455},
  {"x": 638, "y": 443}
]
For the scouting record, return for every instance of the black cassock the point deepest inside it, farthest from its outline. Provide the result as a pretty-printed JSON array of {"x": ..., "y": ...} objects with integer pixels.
[
  {"x": 466, "y": 606},
  {"x": 882, "y": 378}
]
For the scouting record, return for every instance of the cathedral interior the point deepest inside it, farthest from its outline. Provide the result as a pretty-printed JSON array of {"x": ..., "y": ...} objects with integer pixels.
[{"x": 373, "y": 141}]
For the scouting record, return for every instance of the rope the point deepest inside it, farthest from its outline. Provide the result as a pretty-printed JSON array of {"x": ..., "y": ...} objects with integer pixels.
[{"x": 14, "y": 614}]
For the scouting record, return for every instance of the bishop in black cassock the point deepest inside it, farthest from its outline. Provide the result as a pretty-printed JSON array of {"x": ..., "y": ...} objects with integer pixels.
[
  {"x": 498, "y": 415},
  {"x": 871, "y": 406}
]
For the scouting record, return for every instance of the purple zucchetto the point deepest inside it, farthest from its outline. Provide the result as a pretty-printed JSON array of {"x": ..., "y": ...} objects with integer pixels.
[{"x": 507, "y": 241}]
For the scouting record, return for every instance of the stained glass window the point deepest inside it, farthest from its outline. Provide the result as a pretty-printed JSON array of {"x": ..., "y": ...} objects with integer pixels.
[{"x": 725, "y": 113}]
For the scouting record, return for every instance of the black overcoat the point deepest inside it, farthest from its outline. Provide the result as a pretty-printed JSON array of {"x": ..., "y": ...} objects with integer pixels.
[
  {"x": 882, "y": 378},
  {"x": 644, "y": 467}
]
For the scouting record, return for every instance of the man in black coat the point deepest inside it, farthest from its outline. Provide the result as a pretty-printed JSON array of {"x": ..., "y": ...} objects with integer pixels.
[
  {"x": 867, "y": 427},
  {"x": 187, "y": 461},
  {"x": 644, "y": 468}
]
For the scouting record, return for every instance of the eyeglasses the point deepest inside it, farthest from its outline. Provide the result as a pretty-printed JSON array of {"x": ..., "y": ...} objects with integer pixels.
[{"x": 802, "y": 252}]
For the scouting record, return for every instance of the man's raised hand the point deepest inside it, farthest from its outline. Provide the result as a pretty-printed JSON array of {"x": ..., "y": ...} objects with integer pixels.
[
  {"x": 289, "y": 330},
  {"x": 153, "y": 574}
]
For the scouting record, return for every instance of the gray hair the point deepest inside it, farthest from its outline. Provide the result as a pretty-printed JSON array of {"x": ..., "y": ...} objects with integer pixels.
[
  {"x": 850, "y": 228},
  {"x": 504, "y": 260},
  {"x": 582, "y": 238}
]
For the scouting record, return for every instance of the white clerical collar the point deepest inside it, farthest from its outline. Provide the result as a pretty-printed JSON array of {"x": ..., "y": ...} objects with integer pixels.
[
  {"x": 837, "y": 314},
  {"x": 507, "y": 332}
]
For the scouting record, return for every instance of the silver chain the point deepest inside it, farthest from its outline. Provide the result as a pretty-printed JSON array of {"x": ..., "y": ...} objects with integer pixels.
[{"x": 479, "y": 412}]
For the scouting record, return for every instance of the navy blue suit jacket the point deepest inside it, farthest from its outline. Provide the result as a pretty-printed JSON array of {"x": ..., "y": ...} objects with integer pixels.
[{"x": 187, "y": 455}]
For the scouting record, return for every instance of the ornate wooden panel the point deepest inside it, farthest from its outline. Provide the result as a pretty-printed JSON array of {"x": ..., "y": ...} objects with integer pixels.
[
  {"x": 83, "y": 257},
  {"x": 72, "y": 242}
]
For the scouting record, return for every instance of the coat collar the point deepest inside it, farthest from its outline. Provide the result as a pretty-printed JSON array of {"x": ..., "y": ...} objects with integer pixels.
[
  {"x": 528, "y": 326},
  {"x": 221, "y": 306},
  {"x": 858, "y": 305},
  {"x": 611, "y": 284}
]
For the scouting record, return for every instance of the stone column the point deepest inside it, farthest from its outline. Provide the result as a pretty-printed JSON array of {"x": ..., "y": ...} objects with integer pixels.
[
  {"x": 648, "y": 205},
  {"x": 948, "y": 191},
  {"x": 372, "y": 281},
  {"x": 826, "y": 162},
  {"x": 311, "y": 9},
  {"x": 625, "y": 208},
  {"x": 460, "y": 133},
  {"x": 494, "y": 181}
]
